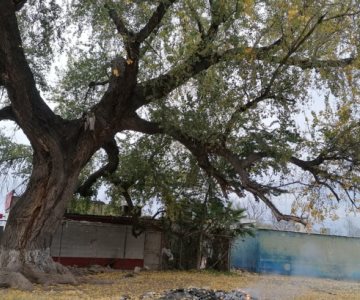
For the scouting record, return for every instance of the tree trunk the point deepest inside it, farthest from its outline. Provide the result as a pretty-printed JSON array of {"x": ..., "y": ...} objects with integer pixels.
[
  {"x": 25, "y": 245},
  {"x": 199, "y": 251}
]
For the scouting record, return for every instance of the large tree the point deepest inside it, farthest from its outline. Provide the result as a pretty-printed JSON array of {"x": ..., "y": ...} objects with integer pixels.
[{"x": 224, "y": 80}]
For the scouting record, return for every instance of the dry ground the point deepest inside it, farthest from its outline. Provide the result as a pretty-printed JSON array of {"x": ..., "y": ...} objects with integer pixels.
[{"x": 112, "y": 285}]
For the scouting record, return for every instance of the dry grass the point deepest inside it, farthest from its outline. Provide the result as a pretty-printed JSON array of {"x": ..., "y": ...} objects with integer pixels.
[{"x": 112, "y": 285}]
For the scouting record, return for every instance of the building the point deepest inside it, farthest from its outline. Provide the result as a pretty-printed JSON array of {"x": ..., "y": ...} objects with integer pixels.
[{"x": 84, "y": 240}]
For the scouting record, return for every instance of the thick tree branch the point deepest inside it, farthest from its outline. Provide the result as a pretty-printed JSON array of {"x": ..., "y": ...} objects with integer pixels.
[
  {"x": 7, "y": 113},
  {"x": 308, "y": 165},
  {"x": 19, "y": 4},
  {"x": 201, "y": 151},
  {"x": 138, "y": 124},
  {"x": 276, "y": 212},
  {"x": 31, "y": 112},
  {"x": 112, "y": 152},
  {"x": 203, "y": 58},
  {"x": 133, "y": 40},
  {"x": 119, "y": 23},
  {"x": 305, "y": 63},
  {"x": 161, "y": 86},
  {"x": 199, "y": 24},
  {"x": 323, "y": 176},
  {"x": 154, "y": 20},
  {"x": 128, "y": 35},
  {"x": 198, "y": 61}
]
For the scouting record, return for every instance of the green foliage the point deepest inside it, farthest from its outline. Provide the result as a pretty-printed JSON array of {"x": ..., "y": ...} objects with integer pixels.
[
  {"x": 213, "y": 216},
  {"x": 41, "y": 25},
  {"x": 213, "y": 106},
  {"x": 15, "y": 160}
]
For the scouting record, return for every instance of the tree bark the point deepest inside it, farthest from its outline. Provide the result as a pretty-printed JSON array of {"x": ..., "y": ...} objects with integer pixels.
[{"x": 25, "y": 245}]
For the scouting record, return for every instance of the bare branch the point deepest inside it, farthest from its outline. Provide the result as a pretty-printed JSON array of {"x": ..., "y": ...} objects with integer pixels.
[
  {"x": 308, "y": 165},
  {"x": 278, "y": 215},
  {"x": 135, "y": 123},
  {"x": 133, "y": 40},
  {"x": 97, "y": 83}
]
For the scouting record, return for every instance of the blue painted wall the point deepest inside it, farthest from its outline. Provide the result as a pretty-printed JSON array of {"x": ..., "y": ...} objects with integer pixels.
[{"x": 293, "y": 253}]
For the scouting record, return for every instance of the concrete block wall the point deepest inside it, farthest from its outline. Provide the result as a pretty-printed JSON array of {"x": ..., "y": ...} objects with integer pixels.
[{"x": 84, "y": 243}]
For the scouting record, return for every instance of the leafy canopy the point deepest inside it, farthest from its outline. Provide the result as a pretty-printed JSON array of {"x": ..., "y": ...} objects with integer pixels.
[{"x": 228, "y": 87}]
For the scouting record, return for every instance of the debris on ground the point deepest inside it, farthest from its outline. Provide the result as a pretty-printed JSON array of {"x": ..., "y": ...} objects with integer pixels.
[{"x": 194, "y": 294}]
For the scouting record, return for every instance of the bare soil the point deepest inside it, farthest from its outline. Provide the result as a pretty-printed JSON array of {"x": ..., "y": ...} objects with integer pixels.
[{"x": 117, "y": 284}]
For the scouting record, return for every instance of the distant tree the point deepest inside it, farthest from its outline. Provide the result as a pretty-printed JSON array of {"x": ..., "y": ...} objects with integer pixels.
[{"x": 223, "y": 79}]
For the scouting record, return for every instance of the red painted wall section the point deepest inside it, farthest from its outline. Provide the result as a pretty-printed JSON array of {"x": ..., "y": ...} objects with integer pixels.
[
  {"x": 115, "y": 263},
  {"x": 105, "y": 241}
]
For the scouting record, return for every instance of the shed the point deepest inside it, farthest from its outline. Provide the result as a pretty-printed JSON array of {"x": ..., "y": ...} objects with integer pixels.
[{"x": 84, "y": 240}]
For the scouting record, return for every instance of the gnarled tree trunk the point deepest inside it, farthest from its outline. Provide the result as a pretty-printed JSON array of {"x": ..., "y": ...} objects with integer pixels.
[
  {"x": 25, "y": 245},
  {"x": 61, "y": 149}
]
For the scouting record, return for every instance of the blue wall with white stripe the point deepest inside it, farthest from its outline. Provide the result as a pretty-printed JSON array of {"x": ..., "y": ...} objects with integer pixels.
[{"x": 293, "y": 253}]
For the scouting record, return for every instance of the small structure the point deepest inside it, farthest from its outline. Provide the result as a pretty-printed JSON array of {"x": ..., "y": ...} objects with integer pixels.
[
  {"x": 295, "y": 253},
  {"x": 84, "y": 240}
]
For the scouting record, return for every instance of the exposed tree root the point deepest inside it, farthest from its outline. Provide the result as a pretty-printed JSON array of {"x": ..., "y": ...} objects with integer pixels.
[
  {"x": 24, "y": 280},
  {"x": 15, "y": 280},
  {"x": 58, "y": 275},
  {"x": 21, "y": 270}
]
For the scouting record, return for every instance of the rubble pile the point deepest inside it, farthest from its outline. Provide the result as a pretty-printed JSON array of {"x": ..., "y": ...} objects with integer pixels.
[
  {"x": 204, "y": 294},
  {"x": 195, "y": 294}
]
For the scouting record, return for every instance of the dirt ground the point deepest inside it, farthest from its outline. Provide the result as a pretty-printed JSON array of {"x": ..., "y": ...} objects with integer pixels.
[{"x": 113, "y": 285}]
